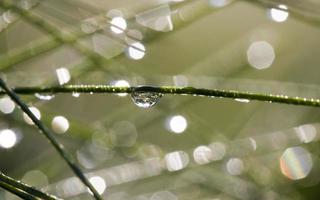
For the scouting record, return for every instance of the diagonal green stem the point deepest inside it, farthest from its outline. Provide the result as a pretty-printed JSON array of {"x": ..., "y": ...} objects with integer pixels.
[
  {"x": 233, "y": 94},
  {"x": 50, "y": 136},
  {"x": 14, "y": 186},
  {"x": 17, "y": 192}
]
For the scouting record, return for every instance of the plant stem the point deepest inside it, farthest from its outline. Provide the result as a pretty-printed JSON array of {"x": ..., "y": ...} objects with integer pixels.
[
  {"x": 50, "y": 136},
  {"x": 233, "y": 94},
  {"x": 17, "y": 185},
  {"x": 17, "y": 192}
]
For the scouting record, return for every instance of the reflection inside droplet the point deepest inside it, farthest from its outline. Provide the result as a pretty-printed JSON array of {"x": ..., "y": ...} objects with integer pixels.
[{"x": 296, "y": 163}]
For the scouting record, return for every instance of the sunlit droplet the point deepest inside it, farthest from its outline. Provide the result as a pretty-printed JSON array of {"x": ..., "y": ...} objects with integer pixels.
[
  {"x": 296, "y": 163},
  {"x": 260, "y": 55},
  {"x": 98, "y": 183},
  {"x": 6, "y": 105},
  {"x": 177, "y": 124},
  {"x": 176, "y": 160},
  {"x": 60, "y": 124},
  {"x": 306, "y": 133},
  {"x": 279, "y": 15},
  {"x": 121, "y": 83},
  {"x": 145, "y": 99},
  {"x": 235, "y": 166},
  {"x": 119, "y": 24},
  {"x": 202, "y": 155},
  {"x": 63, "y": 75},
  {"x": 136, "y": 51},
  {"x": 8, "y": 138},
  {"x": 35, "y": 112}
]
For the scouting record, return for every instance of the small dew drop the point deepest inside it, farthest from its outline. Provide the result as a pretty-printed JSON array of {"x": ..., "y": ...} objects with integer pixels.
[
  {"x": 45, "y": 97},
  {"x": 145, "y": 99}
]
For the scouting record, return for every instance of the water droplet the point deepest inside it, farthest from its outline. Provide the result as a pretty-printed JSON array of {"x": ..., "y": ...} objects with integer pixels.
[
  {"x": 145, "y": 99},
  {"x": 45, "y": 97}
]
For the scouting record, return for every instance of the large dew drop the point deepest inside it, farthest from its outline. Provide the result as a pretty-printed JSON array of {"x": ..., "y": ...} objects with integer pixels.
[{"x": 145, "y": 99}]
